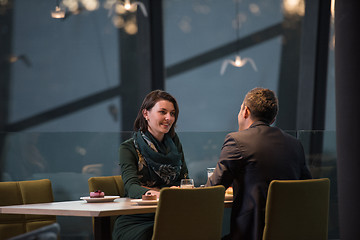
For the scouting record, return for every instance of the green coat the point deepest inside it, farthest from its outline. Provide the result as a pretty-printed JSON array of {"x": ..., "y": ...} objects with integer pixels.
[
  {"x": 138, "y": 226},
  {"x": 129, "y": 165}
]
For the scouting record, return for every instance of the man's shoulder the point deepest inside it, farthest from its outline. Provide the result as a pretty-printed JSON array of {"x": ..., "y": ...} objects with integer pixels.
[
  {"x": 260, "y": 131},
  {"x": 239, "y": 137},
  {"x": 243, "y": 133}
]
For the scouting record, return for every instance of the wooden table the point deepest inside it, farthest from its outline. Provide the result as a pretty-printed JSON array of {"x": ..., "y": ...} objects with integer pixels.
[{"x": 100, "y": 211}]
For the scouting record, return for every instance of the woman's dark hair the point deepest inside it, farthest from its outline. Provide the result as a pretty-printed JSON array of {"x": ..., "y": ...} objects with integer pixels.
[
  {"x": 263, "y": 104},
  {"x": 149, "y": 101}
]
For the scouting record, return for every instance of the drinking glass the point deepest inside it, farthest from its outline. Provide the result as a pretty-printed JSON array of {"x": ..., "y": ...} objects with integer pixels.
[
  {"x": 210, "y": 171},
  {"x": 187, "y": 183}
]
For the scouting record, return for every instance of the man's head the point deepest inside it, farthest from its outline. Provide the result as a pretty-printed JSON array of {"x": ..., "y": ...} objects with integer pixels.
[{"x": 259, "y": 104}]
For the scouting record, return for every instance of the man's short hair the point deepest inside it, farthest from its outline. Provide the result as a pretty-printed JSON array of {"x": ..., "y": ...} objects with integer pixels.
[{"x": 263, "y": 104}]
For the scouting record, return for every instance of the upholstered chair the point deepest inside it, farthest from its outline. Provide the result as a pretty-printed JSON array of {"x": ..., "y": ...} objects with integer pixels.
[
  {"x": 195, "y": 213},
  {"x": 297, "y": 210},
  {"x": 24, "y": 192}
]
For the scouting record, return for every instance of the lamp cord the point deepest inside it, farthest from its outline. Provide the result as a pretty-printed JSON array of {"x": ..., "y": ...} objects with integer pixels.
[{"x": 237, "y": 25}]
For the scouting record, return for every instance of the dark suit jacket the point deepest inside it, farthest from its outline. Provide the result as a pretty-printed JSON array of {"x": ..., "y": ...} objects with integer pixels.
[{"x": 250, "y": 160}]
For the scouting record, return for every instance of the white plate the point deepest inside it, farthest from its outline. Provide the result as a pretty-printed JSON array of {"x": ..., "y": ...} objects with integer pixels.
[
  {"x": 144, "y": 202},
  {"x": 104, "y": 199},
  {"x": 228, "y": 197}
]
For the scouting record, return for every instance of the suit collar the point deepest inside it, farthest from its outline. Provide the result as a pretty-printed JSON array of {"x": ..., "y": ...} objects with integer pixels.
[{"x": 259, "y": 123}]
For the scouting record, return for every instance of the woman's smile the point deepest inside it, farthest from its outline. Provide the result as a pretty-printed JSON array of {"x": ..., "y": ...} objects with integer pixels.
[{"x": 160, "y": 118}]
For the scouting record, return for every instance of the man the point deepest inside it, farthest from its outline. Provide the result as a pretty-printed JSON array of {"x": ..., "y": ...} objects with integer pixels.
[{"x": 251, "y": 158}]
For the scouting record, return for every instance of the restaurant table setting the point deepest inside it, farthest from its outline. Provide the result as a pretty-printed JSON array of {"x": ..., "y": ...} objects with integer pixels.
[{"x": 101, "y": 208}]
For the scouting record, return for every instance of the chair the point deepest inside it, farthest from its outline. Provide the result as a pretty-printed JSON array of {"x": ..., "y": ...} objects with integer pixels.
[
  {"x": 189, "y": 213},
  {"x": 297, "y": 209},
  {"x": 111, "y": 186},
  {"x": 49, "y": 232},
  {"x": 24, "y": 192}
]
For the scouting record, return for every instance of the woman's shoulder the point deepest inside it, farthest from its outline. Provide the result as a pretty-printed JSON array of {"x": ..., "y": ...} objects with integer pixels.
[
  {"x": 127, "y": 149},
  {"x": 129, "y": 143}
]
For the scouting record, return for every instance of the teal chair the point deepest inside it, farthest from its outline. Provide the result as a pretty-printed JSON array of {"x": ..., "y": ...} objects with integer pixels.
[{"x": 297, "y": 210}]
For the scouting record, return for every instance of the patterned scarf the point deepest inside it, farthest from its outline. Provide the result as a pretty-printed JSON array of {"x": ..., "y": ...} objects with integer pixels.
[{"x": 163, "y": 160}]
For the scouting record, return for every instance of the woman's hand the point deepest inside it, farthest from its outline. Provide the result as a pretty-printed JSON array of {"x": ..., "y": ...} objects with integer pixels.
[{"x": 153, "y": 192}]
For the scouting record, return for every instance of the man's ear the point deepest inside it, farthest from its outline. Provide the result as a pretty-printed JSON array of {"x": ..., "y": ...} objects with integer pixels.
[{"x": 246, "y": 112}]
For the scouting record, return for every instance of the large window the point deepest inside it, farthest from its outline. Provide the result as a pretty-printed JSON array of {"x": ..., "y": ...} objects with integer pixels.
[
  {"x": 60, "y": 63},
  {"x": 200, "y": 35},
  {"x": 73, "y": 86}
]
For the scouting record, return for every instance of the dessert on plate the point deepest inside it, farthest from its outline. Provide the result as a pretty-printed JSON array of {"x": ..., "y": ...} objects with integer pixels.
[
  {"x": 148, "y": 196},
  {"x": 229, "y": 191},
  {"x": 229, "y": 194},
  {"x": 97, "y": 194}
]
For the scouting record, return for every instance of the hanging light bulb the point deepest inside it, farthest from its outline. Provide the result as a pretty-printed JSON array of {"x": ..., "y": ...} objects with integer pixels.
[
  {"x": 237, "y": 63},
  {"x": 58, "y": 13},
  {"x": 121, "y": 7},
  {"x": 131, "y": 26},
  {"x": 127, "y": 5},
  {"x": 72, "y": 5},
  {"x": 90, "y": 5},
  {"x": 294, "y": 7}
]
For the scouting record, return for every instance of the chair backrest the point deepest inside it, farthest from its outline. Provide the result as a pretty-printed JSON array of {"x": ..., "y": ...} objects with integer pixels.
[
  {"x": 49, "y": 232},
  {"x": 297, "y": 209},
  {"x": 24, "y": 192},
  {"x": 189, "y": 213},
  {"x": 110, "y": 185}
]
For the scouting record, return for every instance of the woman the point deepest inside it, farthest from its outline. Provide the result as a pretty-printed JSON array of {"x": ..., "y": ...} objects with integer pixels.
[{"x": 151, "y": 159}]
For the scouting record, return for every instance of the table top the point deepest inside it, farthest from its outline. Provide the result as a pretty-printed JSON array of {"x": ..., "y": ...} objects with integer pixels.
[{"x": 121, "y": 206}]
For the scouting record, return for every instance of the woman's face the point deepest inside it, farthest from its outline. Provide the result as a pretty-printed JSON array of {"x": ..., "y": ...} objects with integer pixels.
[{"x": 160, "y": 118}]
